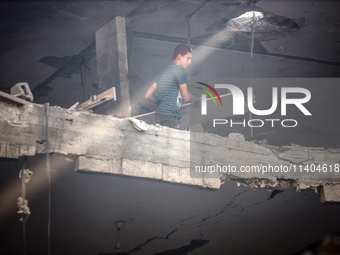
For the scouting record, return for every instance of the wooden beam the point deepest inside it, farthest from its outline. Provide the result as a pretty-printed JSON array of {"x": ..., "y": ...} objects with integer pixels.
[
  {"x": 13, "y": 99},
  {"x": 107, "y": 95}
]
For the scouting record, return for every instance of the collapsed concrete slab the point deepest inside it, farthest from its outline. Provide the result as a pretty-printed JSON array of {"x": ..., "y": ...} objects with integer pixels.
[{"x": 104, "y": 144}]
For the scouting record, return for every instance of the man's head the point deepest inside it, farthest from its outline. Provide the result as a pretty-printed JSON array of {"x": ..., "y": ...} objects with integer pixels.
[{"x": 182, "y": 55}]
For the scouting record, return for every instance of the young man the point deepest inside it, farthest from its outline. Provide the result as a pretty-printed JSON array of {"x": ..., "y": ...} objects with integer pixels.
[{"x": 170, "y": 89}]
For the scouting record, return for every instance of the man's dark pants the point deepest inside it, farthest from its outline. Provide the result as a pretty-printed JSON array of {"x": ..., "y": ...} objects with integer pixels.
[{"x": 169, "y": 121}]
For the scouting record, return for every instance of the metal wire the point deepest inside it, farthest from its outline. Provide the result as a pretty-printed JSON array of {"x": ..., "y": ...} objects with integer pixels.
[
  {"x": 48, "y": 173},
  {"x": 252, "y": 35},
  {"x": 23, "y": 195}
]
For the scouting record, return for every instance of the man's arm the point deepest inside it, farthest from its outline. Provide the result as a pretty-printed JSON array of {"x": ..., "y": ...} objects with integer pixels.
[
  {"x": 187, "y": 97},
  {"x": 151, "y": 93}
]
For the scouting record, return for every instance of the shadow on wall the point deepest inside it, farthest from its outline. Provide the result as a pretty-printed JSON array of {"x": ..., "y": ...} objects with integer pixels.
[{"x": 194, "y": 244}]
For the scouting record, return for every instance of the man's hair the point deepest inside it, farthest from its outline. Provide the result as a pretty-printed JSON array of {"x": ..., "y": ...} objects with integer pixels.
[{"x": 182, "y": 49}]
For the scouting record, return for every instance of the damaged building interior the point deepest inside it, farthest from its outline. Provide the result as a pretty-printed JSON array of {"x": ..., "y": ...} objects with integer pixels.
[{"x": 100, "y": 182}]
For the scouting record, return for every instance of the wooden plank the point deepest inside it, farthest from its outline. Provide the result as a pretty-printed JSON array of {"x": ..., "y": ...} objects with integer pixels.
[
  {"x": 107, "y": 95},
  {"x": 13, "y": 99},
  {"x": 73, "y": 106}
]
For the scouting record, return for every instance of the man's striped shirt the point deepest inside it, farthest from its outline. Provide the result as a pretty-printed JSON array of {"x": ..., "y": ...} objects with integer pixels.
[{"x": 169, "y": 98}]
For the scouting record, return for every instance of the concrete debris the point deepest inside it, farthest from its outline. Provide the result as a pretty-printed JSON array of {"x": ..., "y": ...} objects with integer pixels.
[
  {"x": 330, "y": 193},
  {"x": 22, "y": 90},
  {"x": 236, "y": 136},
  {"x": 268, "y": 184},
  {"x": 105, "y": 144}
]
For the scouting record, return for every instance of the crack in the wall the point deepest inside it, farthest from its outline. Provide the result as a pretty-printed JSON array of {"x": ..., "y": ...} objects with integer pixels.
[
  {"x": 273, "y": 194},
  {"x": 225, "y": 208},
  {"x": 140, "y": 246},
  {"x": 184, "y": 226},
  {"x": 187, "y": 225}
]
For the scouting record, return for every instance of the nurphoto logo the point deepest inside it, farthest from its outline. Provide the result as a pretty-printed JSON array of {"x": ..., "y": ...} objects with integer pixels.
[{"x": 239, "y": 104}]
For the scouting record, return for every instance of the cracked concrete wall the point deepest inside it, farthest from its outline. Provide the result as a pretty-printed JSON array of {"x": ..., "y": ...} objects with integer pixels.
[{"x": 104, "y": 144}]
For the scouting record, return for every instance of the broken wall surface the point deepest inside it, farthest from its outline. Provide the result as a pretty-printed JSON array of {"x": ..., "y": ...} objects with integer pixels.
[{"x": 104, "y": 144}]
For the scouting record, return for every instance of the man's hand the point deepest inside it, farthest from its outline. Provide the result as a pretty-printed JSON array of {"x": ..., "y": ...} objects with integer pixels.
[
  {"x": 187, "y": 97},
  {"x": 151, "y": 93},
  {"x": 198, "y": 102}
]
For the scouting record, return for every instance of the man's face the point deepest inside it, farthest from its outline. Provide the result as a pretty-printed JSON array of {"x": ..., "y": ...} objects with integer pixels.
[{"x": 185, "y": 60}]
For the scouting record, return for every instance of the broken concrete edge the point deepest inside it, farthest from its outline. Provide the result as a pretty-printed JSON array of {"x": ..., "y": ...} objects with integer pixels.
[
  {"x": 166, "y": 173},
  {"x": 276, "y": 183},
  {"x": 119, "y": 123},
  {"x": 207, "y": 139},
  {"x": 329, "y": 193},
  {"x": 200, "y": 138},
  {"x": 65, "y": 123},
  {"x": 177, "y": 175},
  {"x": 15, "y": 151},
  {"x": 290, "y": 151},
  {"x": 143, "y": 169},
  {"x": 289, "y": 154}
]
